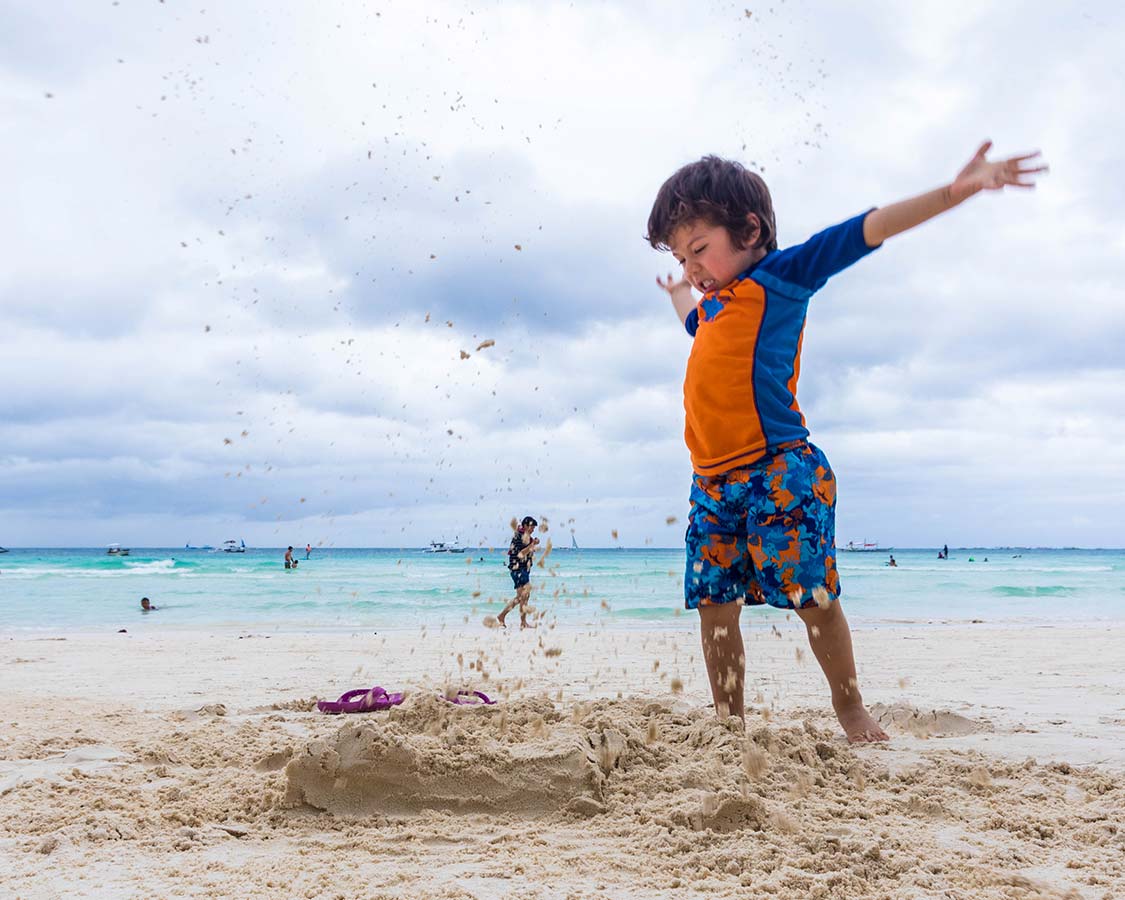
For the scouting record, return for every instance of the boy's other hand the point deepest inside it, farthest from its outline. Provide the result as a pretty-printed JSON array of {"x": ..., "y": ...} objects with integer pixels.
[
  {"x": 675, "y": 288},
  {"x": 680, "y": 291},
  {"x": 982, "y": 175}
]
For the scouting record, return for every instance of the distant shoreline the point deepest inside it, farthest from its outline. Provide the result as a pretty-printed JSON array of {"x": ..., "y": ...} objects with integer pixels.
[{"x": 136, "y": 548}]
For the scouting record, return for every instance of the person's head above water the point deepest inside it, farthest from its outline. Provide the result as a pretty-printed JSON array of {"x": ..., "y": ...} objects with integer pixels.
[{"x": 145, "y": 604}]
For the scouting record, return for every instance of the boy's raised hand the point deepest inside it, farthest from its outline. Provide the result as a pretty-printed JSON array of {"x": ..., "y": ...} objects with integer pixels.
[
  {"x": 979, "y": 175},
  {"x": 982, "y": 175},
  {"x": 680, "y": 292},
  {"x": 673, "y": 285}
]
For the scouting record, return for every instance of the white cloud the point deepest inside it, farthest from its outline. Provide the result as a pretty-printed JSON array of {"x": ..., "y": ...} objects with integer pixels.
[{"x": 965, "y": 379}]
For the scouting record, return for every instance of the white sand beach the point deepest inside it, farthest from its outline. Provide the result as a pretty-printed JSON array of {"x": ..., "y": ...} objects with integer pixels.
[{"x": 194, "y": 764}]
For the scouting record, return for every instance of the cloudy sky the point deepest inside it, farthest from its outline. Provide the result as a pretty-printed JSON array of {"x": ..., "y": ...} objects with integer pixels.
[{"x": 247, "y": 246}]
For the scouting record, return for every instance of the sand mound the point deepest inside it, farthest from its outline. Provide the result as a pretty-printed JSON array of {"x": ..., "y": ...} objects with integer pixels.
[
  {"x": 935, "y": 723},
  {"x": 430, "y": 754},
  {"x": 526, "y": 759}
]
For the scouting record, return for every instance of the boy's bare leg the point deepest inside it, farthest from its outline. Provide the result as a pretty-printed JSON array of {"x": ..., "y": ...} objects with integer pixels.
[
  {"x": 522, "y": 593},
  {"x": 831, "y": 643},
  {"x": 725, "y": 657},
  {"x": 507, "y": 609}
]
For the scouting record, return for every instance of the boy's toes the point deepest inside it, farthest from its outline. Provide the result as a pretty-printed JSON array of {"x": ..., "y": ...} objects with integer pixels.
[
  {"x": 868, "y": 736},
  {"x": 860, "y": 726}
]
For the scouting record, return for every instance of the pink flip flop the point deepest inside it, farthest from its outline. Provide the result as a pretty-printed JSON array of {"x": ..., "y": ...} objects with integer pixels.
[
  {"x": 360, "y": 700},
  {"x": 481, "y": 699}
]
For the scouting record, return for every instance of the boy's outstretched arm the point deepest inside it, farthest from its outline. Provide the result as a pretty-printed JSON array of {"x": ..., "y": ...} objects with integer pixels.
[
  {"x": 978, "y": 175},
  {"x": 680, "y": 292}
]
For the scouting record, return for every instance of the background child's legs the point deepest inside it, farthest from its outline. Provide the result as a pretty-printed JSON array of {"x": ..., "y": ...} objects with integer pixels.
[
  {"x": 523, "y": 594},
  {"x": 724, "y": 656},
  {"x": 831, "y": 641}
]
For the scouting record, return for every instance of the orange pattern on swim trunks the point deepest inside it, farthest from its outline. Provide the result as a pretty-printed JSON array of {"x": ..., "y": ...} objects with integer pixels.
[
  {"x": 721, "y": 552},
  {"x": 832, "y": 577},
  {"x": 824, "y": 488},
  {"x": 791, "y": 553}
]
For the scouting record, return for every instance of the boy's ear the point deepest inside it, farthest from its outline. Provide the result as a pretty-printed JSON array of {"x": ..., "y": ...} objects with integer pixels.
[{"x": 754, "y": 229}]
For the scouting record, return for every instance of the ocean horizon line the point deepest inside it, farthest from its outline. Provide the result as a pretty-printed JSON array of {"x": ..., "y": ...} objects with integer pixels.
[{"x": 554, "y": 548}]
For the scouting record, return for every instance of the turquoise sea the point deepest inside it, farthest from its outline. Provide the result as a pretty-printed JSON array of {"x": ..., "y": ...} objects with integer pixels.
[{"x": 53, "y": 590}]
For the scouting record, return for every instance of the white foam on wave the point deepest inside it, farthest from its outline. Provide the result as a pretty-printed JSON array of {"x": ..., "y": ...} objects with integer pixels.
[{"x": 141, "y": 568}]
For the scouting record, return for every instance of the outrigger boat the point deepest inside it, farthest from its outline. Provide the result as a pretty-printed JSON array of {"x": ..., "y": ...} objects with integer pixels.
[{"x": 443, "y": 547}]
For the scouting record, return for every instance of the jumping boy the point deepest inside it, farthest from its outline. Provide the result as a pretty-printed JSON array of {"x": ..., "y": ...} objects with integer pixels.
[{"x": 763, "y": 498}]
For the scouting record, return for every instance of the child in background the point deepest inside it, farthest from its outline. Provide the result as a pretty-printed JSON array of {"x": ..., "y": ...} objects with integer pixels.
[
  {"x": 520, "y": 554},
  {"x": 763, "y": 498}
]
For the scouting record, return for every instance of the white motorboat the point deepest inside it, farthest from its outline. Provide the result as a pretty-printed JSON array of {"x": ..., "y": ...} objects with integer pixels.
[
  {"x": 864, "y": 546},
  {"x": 233, "y": 547},
  {"x": 443, "y": 547},
  {"x": 117, "y": 550}
]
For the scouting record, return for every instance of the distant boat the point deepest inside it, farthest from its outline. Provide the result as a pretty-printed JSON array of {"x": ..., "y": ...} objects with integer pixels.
[
  {"x": 573, "y": 542},
  {"x": 117, "y": 550},
  {"x": 862, "y": 547},
  {"x": 443, "y": 547},
  {"x": 3, "y": 550},
  {"x": 233, "y": 547},
  {"x": 204, "y": 547}
]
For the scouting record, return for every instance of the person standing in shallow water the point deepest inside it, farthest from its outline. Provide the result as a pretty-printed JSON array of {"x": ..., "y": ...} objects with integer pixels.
[{"x": 520, "y": 555}]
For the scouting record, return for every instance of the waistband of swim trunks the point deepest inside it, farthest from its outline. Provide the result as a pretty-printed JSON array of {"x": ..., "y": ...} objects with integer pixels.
[{"x": 768, "y": 456}]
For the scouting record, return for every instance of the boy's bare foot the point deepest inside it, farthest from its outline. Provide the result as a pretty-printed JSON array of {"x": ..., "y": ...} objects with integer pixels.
[
  {"x": 859, "y": 725},
  {"x": 500, "y": 619},
  {"x": 526, "y": 625}
]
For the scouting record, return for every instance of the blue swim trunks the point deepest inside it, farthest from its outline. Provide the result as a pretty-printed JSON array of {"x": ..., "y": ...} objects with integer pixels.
[{"x": 764, "y": 533}]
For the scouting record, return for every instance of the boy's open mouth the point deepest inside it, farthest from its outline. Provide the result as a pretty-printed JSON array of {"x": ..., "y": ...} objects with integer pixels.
[{"x": 707, "y": 284}]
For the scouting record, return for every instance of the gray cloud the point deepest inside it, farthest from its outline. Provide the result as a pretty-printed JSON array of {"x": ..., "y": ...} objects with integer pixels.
[{"x": 955, "y": 376}]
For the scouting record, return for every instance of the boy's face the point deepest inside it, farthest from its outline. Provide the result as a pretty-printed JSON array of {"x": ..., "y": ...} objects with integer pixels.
[{"x": 708, "y": 255}]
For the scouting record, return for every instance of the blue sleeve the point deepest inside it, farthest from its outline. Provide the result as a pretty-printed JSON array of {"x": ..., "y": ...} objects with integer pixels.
[
  {"x": 691, "y": 323},
  {"x": 799, "y": 272}
]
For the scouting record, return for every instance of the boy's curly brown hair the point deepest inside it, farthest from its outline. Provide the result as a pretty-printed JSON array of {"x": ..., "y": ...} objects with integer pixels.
[{"x": 720, "y": 192}]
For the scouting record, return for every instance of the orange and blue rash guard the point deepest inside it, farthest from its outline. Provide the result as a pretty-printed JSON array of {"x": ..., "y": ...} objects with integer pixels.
[{"x": 740, "y": 390}]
